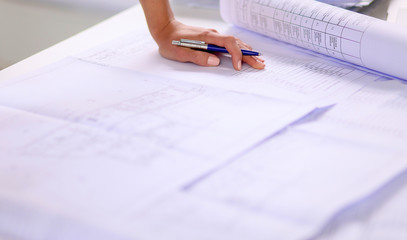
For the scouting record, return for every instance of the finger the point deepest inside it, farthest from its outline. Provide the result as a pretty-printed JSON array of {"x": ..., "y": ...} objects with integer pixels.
[
  {"x": 254, "y": 62},
  {"x": 248, "y": 47},
  {"x": 236, "y": 53},
  {"x": 244, "y": 45},
  {"x": 198, "y": 57},
  {"x": 259, "y": 59},
  {"x": 229, "y": 42}
]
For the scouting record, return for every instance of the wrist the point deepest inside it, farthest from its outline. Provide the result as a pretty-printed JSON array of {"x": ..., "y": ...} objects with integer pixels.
[
  {"x": 158, "y": 31},
  {"x": 165, "y": 34}
]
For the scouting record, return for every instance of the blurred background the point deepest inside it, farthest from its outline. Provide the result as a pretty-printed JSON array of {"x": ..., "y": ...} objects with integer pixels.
[{"x": 29, "y": 26}]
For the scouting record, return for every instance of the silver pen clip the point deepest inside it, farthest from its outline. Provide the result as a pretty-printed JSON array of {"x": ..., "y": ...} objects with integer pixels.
[
  {"x": 191, "y": 44},
  {"x": 192, "y": 41}
]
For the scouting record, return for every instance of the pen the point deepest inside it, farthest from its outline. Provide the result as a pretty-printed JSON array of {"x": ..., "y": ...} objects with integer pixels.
[{"x": 209, "y": 47}]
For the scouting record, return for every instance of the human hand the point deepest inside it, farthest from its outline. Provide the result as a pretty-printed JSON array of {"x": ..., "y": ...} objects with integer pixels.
[{"x": 175, "y": 30}]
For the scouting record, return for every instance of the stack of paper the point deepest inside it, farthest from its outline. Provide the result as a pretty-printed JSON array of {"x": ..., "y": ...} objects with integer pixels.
[{"x": 119, "y": 143}]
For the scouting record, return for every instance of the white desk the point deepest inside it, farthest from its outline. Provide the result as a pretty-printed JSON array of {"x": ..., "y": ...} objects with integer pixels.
[{"x": 124, "y": 23}]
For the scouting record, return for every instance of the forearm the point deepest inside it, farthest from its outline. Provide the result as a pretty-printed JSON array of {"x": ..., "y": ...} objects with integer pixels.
[{"x": 158, "y": 15}]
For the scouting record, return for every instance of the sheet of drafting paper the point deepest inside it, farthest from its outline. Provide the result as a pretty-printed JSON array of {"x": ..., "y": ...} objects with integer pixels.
[
  {"x": 330, "y": 30},
  {"x": 90, "y": 142},
  {"x": 291, "y": 74}
]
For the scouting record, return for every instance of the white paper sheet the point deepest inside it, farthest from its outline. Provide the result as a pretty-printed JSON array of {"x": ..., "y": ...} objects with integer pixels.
[
  {"x": 326, "y": 29},
  {"x": 287, "y": 188},
  {"x": 88, "y": 142},
  {"x": 382, "y": 216},
  {"x": 291, "y": 74},
  {"x": 375, "y": 115},
  {"x": 103, "y": 158}
]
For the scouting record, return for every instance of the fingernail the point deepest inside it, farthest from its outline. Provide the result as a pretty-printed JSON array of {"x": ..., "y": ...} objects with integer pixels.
[
  {"x": 213, "y": 61},
  {"x": 260, "y": 59},
  {"x": 239, "y": 65}
]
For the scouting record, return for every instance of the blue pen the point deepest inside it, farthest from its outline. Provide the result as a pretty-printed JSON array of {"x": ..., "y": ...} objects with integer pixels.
[{"x": 209, "y": 47}]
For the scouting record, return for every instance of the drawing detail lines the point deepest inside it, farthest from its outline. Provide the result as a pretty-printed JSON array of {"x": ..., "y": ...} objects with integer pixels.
[{"x": 319, "y": 27}]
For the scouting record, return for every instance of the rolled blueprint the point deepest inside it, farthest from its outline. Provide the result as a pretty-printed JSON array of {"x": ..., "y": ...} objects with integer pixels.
[{"x": 333, "y": 31}]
